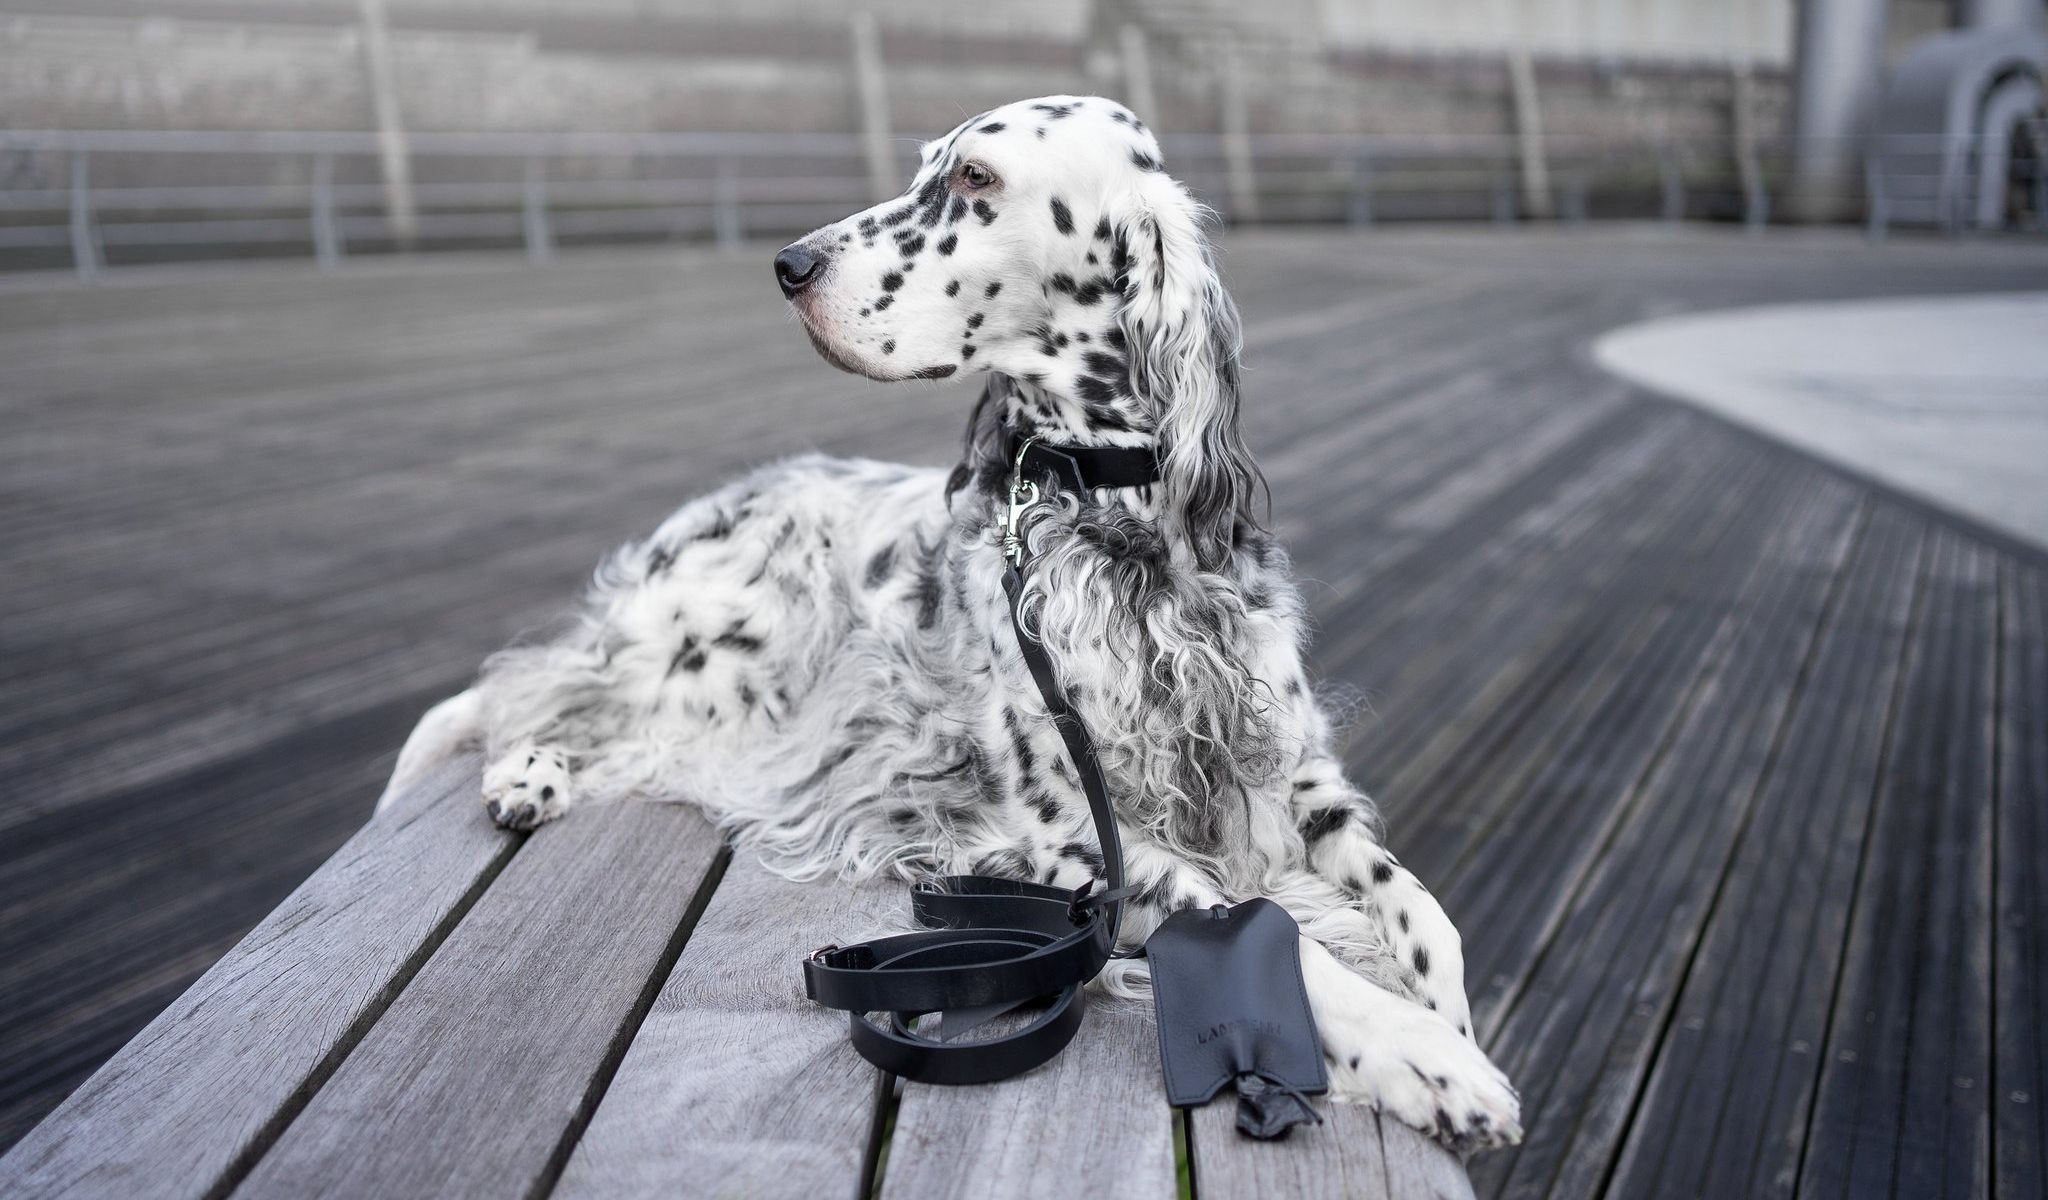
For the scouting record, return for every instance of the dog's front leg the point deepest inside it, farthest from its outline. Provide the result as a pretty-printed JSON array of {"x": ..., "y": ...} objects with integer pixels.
[
  {"x": 1405, "y": 1060},
  {"x": 1337, "y": 831}
]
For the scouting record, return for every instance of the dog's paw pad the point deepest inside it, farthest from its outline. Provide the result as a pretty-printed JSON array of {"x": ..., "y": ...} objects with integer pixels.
[{"x": 527, "y": 787}]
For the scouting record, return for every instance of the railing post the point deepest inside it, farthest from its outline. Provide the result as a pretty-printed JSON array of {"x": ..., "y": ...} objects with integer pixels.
[
  {"x": 1673, "y": 185},
  {"x": 327, "y": 246},
  {"x": 883, "y": 180},
  {"x": 1756, "y": 204},
  {"x": 725, "y": 207},
  {"x": 1529, "y": 143},
  {"x": 1359, "y": 211},
  {"x": 540, "y": 237},
  {"x": 85, "y": 240},
  {"x": 1138, "y": 77},
  {"x": 1242, "y": 184},
  {"x": 394, "y": 153}
]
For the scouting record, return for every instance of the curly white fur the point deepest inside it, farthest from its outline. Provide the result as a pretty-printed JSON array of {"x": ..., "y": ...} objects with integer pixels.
[{"x": 820, "y": 653}]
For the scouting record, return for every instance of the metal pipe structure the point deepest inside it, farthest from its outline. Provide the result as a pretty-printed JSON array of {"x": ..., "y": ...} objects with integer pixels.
[
  {"x": 1838, "y": 61},
  {"x": 2003, "y": 14}
]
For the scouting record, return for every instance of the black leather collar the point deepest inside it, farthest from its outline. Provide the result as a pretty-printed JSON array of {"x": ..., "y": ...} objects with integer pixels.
[{"x": 1084, "y": 468}]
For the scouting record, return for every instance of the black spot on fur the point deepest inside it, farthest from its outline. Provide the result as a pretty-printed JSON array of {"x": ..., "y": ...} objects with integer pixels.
[
  {"x": 1401, "y": 918},
  {"x": 1062, "y": 217},
  {"x": 1323, "y": 822},
  {"x": 956, "y": 210},
  {"x": 1020, "y": 742},
  {"x": 1082, "y": 853},
  {"x": 688, "y": 657},
  {"x": 982, "y": 210},
  {"x": 966, "y": 350},
  {"x": 948, "y": 244},
  {"x": 938, "y": 372},
  {"x": 990, "y": 291},
  {"x": 953, "y": 288},
  {"x": 889, "y": 347},
  {"x": 1421, "y": 960},
  {"x": 1102, "y": 230},
  {"x": 1007, "y": 864},
  {"x": 879, "y": 566},
  {"x": 1094, "y": 391},
  {"x": 1382, "y": 872},
  {"x": 736, "y": 638},
  {"x": 891, "y": 281},
  {"x": 1109, "y": 366},
  {"x": 1143, "y": 161},
  {"x": 991, "y": 127},
  {"x": 928, "y": 592},
  {"x": 974, "y": 322},
  {"x": 884, "y": 303}
]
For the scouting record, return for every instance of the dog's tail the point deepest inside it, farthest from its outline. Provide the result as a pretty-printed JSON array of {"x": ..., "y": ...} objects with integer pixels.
[{"x": 453, "y": 725}]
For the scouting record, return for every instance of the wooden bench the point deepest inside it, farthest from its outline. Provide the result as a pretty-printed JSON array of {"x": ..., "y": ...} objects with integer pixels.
[{"x": 612, "y": 1006}]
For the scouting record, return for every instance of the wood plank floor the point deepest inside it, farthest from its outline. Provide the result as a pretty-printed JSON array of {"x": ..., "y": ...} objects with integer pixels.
[{"x": 1731, "y": 768}]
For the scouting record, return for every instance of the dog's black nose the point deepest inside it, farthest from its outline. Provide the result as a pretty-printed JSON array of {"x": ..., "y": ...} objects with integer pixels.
[{"x": 796, "y": 268}]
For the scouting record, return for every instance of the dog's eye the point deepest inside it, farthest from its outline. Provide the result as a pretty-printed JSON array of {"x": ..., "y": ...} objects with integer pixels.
[{"x": 976, "y": 176}]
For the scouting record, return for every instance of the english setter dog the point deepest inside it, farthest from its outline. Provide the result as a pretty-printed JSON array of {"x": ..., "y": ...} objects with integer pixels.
[{"x": 820, "y": 653}]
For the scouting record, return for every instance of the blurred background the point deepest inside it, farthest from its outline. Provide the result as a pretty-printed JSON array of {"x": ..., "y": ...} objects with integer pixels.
[
  {"x": 142, "y": 130},
  {"x": 339, "y": 339}
]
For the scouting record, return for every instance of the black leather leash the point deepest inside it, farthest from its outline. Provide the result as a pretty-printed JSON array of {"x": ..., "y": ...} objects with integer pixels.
[{"x": 991, "y": 945}]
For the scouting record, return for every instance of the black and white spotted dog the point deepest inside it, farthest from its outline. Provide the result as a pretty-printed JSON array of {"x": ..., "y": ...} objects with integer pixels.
[{"x": 821, "y": 655}]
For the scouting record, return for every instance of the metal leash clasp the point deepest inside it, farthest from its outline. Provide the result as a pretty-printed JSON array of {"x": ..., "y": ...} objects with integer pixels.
[{"x": 1023, "y": 494}]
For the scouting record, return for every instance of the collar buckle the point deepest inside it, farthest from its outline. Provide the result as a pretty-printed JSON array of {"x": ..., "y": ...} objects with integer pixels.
[{"x": 1023, "y": 494}]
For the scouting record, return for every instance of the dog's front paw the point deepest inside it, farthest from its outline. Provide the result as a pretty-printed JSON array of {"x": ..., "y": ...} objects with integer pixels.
[
  {"x": 1410, "y": 1063},
  {"x": 527, "y": 786}
]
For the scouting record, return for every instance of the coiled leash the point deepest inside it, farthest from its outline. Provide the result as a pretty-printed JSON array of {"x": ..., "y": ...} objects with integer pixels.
[{"x": 991, "y": 945}]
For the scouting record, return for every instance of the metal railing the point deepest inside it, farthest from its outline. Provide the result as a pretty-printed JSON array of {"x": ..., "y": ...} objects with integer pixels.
[{"x": 85, "y": 199}]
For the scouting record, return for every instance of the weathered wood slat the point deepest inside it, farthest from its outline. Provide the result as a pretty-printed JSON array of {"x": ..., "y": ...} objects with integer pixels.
[
  {"x": 1586, "y": 1022},
  {"x": 1096, "y": 1112},
  {"x": 1902, "y": 1106},
  {"x": 2020, "y": 1067},
  {"x": 231, "y": 534},
  {"x": 1724, "y": 1110},
  {"x": 480, "y": 1075},
  {"x": 1514, "y": 875},
  {"x": 204, "y": 1088},
  {"x": 1356, "y": 1154},
  {"x": 736, "y": 1084}
]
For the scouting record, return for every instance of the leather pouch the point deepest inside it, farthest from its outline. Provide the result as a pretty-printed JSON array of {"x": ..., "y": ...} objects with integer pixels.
[{"x": 1226, "y": 984}]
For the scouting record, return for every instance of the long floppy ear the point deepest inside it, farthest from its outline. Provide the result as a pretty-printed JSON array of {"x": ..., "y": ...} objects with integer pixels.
[{"x": 1184, "y": 338}]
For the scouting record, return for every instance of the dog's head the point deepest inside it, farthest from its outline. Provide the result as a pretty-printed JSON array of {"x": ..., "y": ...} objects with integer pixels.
[{"x": 1043, "y": 241}]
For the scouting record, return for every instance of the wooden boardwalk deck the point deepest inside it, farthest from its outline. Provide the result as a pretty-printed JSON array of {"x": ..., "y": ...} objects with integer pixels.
[{"x": 1733, "y": 770}]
